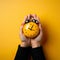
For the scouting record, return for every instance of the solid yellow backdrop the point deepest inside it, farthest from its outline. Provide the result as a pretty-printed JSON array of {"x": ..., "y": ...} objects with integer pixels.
[{"x": 12, "y": 13}]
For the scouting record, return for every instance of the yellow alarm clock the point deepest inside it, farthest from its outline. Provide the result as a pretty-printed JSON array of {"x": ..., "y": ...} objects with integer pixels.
[{"x": 31, "y": 29}]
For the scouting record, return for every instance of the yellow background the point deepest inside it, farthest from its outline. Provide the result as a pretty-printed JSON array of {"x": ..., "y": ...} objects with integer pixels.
[{"x": 12, "y": 13}]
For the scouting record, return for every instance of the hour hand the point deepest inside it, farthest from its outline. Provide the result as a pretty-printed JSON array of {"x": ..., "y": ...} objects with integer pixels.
[{"x": 29, "y": 28}]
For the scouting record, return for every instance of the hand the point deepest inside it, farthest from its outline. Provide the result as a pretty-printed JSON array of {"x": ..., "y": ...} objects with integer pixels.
[
  {"x": 36, "y": 41},
  {"x": 24, "y": 39}
]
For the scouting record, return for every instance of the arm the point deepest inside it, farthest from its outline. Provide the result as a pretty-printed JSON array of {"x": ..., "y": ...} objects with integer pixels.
[
  {"x": 23, "y": 48},
  {"x": 37, "y": 53},
  {"x": 22, "y": 53}
]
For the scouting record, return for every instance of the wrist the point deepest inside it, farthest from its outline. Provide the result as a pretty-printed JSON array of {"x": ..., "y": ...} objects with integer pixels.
[
  {"x": 24, "y": 44},
  {"x": 35, "y": 44}
]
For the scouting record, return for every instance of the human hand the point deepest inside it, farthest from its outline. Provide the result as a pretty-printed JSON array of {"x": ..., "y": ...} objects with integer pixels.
[
  {"x": 25, "y": 40},
  {"x": 36, "y": 41}
]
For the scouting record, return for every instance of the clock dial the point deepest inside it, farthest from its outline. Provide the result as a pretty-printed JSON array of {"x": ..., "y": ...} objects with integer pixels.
[{"x": 31, "y": 30}]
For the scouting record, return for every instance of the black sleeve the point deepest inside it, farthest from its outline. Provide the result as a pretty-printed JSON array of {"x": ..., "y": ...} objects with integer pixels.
[
  {"x": 22, "y": 53},
  {"x": 37, "y": 54}
]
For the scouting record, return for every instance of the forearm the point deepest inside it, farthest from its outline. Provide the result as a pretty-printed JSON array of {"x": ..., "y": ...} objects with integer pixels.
[
  {"x": 37, "y": 53},
  {"x": 22, "y": 53}
]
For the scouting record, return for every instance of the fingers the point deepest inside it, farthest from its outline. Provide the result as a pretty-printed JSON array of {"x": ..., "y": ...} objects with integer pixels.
[
  {"x": 29, "y": 16},
  {"x": 21, "y": 34},
  {"x": 36, "y": 17},
  {"x": 39, "y": 37},
  {"x": 21, "y": 28},
  {"x": 26, "y": 17},
  {"x": 40, "y": 27}
]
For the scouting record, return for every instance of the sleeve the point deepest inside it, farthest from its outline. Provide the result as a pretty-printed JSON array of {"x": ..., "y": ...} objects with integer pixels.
[
  {"x": 22, "y": 53},
  {"x": 37, "y": 53}
]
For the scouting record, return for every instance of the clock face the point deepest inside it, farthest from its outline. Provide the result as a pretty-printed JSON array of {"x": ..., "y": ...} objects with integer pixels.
[{"x": 31, "y": 30}]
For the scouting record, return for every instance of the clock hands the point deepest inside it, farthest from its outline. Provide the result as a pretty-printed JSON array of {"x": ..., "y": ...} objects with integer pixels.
[{"x": 31, "y": 28}]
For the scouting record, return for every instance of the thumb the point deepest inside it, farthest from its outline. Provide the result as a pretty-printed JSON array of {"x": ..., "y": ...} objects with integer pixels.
[
  {"x": 21, "y": 27},
  {"x": 38, "y": 38}
]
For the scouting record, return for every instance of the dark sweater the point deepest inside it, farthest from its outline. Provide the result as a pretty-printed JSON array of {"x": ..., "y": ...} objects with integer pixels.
[{"x": 24, "y": 53}]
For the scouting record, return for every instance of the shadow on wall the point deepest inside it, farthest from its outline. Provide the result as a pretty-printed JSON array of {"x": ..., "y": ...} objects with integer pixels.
[
  {"x": 45, "y": 37},
  {"x": 45, "y": 33}
]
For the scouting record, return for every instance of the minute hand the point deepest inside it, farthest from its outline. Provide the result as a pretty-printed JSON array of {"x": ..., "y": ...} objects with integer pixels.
[{"x": 32, "y": 27}]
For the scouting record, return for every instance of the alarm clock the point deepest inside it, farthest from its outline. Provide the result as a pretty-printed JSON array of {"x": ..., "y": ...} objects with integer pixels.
[{"x": 31, "y": 28}]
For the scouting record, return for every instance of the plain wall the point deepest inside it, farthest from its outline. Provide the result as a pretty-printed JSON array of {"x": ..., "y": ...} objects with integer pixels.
[{"x": 12, "y": 14}]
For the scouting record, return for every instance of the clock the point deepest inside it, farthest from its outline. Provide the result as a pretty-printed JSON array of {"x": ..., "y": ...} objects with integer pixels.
[{"x": 31, "y": 28}]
